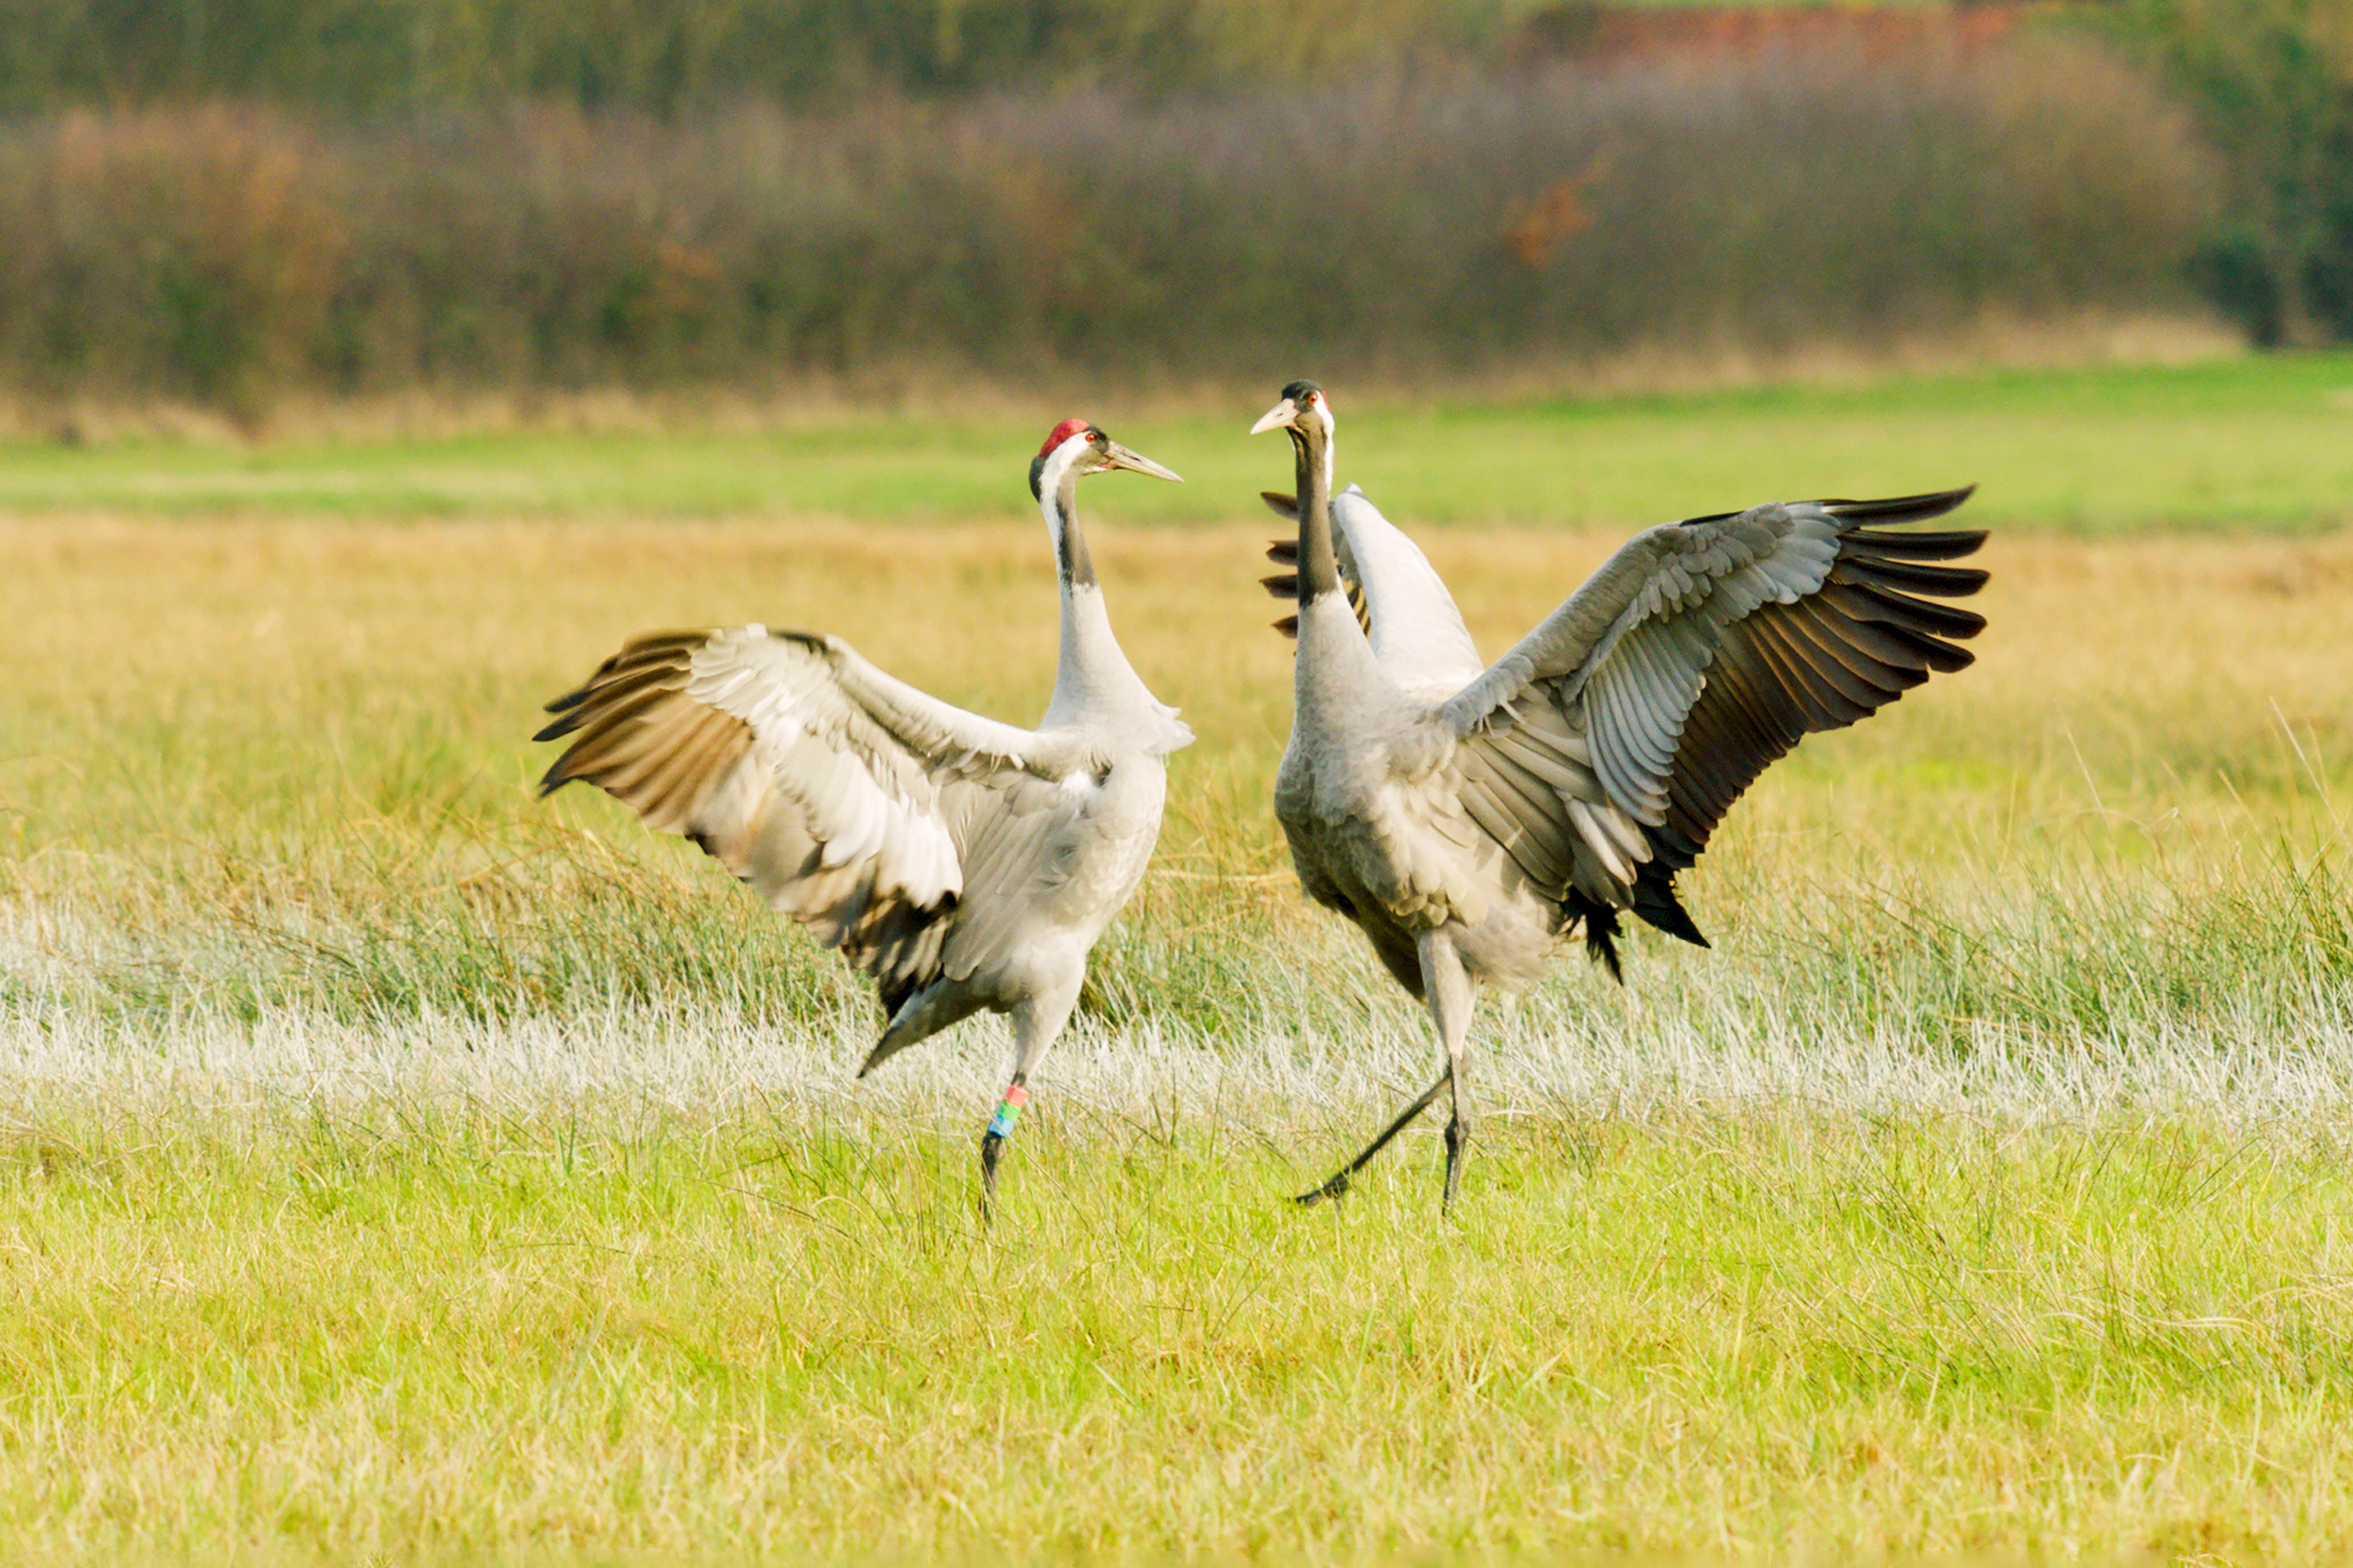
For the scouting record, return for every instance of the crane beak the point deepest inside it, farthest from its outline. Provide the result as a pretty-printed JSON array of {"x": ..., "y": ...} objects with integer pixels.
[
  {"x": 1119, "y": 457},
  {"x": 1285, "y": 412}
]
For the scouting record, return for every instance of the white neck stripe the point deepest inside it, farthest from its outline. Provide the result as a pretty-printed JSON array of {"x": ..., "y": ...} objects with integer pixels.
[{"x": 1050, "y": 478}]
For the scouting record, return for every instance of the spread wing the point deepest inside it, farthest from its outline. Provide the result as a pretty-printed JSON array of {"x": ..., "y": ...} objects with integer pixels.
[
  {"x": 1615, "y": 736},
  {"x": 850, "y": 801},
  {"x": 1417, "y": 635}
]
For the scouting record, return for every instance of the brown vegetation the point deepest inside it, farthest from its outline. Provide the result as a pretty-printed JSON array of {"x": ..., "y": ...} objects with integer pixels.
[
  {"x": 673, "y": 57},
  {"x": 1753, "y": 203},
  {"x": 1592, "y": 31}
]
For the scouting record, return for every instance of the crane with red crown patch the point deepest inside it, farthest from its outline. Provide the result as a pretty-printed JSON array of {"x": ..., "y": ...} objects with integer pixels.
[{"x": 965, "y": 864}]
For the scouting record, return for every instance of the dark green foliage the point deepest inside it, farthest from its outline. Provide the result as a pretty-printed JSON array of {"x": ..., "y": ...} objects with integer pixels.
[{"x": 2271, "y": 82}]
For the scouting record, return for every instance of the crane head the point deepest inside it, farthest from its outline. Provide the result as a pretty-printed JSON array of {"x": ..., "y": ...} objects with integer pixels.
[
  {"x": 1081, "y": 446},
  {"x": 1301, "y": 400}
]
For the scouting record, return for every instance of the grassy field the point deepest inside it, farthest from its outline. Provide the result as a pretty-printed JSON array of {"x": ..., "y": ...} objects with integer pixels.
[
  {"x": 391, "y": 1164},
  {"x": 2230, "y": 444},
  {"x": 1722, "y": 1334}
]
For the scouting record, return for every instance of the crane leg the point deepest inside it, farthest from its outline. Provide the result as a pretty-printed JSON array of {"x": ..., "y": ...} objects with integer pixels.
[
  {"x": 1036, "y": 1024},
  {"x": 1450, "y": 993},
  {"x": 1338, "y": 1185},
  {"x": 993, "y": 1141},
  {"x": 1451, "y": 998}
]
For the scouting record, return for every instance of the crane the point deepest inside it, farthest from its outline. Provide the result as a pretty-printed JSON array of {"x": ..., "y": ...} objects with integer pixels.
[
  {"x": 1471, "y": 817},
  {"x": 961, "y": 862}
]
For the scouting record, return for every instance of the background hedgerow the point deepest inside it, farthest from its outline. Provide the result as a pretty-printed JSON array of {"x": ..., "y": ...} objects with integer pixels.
[{"x": 1444, "y": 220}]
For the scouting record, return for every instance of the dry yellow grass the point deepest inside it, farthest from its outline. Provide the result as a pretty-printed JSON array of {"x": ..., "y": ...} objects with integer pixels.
[
  {"x": 396, "y": 1164},
  {"x": 2155, "y": 677}
]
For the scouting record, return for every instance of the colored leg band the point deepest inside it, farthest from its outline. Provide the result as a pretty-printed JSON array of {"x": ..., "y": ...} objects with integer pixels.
[{"x": 1008, "y": 1112}]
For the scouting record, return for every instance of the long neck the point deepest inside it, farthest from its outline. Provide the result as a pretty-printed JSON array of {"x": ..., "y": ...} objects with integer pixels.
[
  {"x": 1318, "y": 568},
  {"x": 1092, "y": 672},
  {"x": 1334, "y": 667},
  {"x": 1070, "y": 542}
]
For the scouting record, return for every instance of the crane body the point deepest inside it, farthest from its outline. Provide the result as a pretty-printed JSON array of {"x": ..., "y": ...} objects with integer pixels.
[
  {"x": 964, "y": 864},
  {"x": 1471, "y": 819}
]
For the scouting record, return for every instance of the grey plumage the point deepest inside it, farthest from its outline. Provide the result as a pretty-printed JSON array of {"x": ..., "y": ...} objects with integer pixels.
[
  {"x": 1469, "y": 819},
  {"x": 962, "y": 863}
]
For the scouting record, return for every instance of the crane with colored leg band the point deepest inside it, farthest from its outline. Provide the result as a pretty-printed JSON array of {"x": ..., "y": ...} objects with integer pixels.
[
  {"x": 1001, "y": 1128},
  {"x": 965, "y": 865}
]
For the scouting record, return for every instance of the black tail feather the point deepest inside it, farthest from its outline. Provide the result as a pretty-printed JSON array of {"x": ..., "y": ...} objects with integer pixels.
[
  {"x": 1656, "y": 902},
  {"x": 1601, "y": 932}
]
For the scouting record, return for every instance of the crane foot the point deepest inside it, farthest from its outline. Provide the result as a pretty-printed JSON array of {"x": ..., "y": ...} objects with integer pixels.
[
  {"x": 992, "y": 1144},
  {"x": 1335, "y": 1189},
  {"x": 1458, "y": 1139}
]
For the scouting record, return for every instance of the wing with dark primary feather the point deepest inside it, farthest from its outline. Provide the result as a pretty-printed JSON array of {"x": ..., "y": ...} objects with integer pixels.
[
  {"x": 1607, "y": 745},
  {"x": 867, "y": 810}
]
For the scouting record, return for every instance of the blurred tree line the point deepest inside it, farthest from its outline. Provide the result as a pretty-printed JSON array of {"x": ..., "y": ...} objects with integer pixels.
[
  {"x": 1750, "y": 205},
  {"x": 672, "y": 56},
  {"x": 2271, "y": 84},
  {"x": 224, "y": 199}
]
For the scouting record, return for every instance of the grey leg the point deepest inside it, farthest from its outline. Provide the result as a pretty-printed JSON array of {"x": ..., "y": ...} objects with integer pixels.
[
  {"x": 1036, "y": 1024},
  {"x": 1338, "y": 1185},
  {"x": 993, "y": 1141},
  {"x": 1450, "y": 996}
]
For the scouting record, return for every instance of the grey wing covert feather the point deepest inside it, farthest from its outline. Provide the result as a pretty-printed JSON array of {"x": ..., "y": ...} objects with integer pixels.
[
  {"x": 860, "y": 807},
  {"x": 1018, "y": 840},
  {"x": 1604, "y": 749}
]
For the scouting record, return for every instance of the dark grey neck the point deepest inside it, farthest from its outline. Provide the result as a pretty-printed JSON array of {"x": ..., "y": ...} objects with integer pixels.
[
  {"x": 1318, "y": 568},
  {"x": 1070, "y": 544}
]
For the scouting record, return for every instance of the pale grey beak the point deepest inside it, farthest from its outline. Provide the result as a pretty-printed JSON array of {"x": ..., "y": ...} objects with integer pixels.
[
  {"x": 1119, "y": 457},
  {"x": 1285, "y": 412}
]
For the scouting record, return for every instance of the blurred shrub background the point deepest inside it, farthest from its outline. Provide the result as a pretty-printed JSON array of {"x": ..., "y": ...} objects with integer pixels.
[
  {"x": 2271, "y": 84},
  {"x": 227, "y": 200}
]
